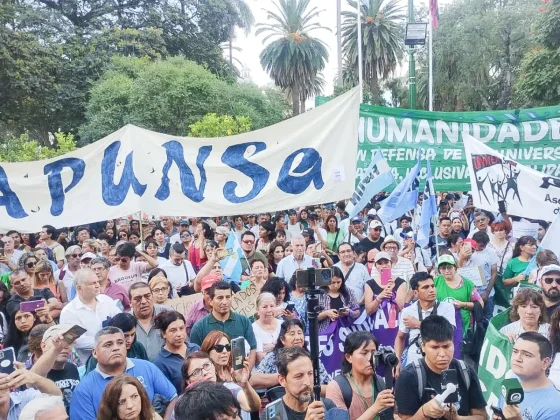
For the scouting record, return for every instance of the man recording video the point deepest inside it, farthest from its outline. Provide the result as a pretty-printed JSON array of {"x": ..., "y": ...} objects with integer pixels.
[
  {"x": 530, "y": 359},
  {"x": 420, "y": 392}
]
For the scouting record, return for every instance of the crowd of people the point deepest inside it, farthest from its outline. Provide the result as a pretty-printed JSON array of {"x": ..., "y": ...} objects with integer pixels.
[{"x": 85, "y": 313}]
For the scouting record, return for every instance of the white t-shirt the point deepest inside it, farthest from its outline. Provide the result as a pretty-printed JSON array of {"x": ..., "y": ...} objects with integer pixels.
[
  {"x": 517, "y": 329},
  {"x": 293, "y": 230},
  {"x": 177, "y": 274},
  {"x": 126, "y": 278},
  {"x": 444, "y": 309},
  {"x": 264, "y": 337}
]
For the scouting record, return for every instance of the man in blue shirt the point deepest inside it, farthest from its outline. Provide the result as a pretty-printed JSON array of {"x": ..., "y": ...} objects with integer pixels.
[
  {"x": 110, "y": 352},
  {"x": 530, "y": 359}
]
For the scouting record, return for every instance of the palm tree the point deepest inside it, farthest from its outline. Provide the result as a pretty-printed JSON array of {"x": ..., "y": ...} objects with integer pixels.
[
  {"x": 382, "y": 40},
  {"x": 244, "y": 19},
  {"x": 294, "y": 58}
]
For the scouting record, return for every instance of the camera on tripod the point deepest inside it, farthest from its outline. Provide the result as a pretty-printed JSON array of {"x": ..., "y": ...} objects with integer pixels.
[
  {"x": 385, "y": 356},
  {"x": 310, "y": 279}
]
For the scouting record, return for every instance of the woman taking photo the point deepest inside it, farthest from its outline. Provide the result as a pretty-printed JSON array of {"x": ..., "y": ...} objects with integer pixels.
[
  {"x": 339, "y": 301},
  {"x": 44, "y": 279},
  {"x": 523, "y": 252},
  {"x": 528, "y": 313},
  {"x": 266, "y": 237},
  {"x": 163, "y": 247},
  {"x": 368, "y": 399},
  {"x": 198, "y": 367},
  {"x": 125, "y": 398},
  {"x": 171, "y": 357},
  {"x": 218, "y": 346},
  {"x": 387, "y": 293},
  {"x": 276, "y": 254},
  {"x": 452, "y": 287},
  {"x": 267, "y": 326}
]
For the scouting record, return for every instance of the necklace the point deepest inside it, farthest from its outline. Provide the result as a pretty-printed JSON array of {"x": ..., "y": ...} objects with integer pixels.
[{"x": 364, "y": 402}]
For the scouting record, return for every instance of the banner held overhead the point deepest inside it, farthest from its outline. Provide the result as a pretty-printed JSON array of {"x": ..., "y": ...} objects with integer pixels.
[{"x": 305, "y": 160}]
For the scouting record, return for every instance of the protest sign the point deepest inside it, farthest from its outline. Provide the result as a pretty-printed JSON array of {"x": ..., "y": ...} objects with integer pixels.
[
  {"x": 495, "y": 178},
  {"x": 529, "y": 136},
  {"x": 494, "y": 359},
  {"x": 520, "y": 229},
  {"x": 474, "y": 273},
  {"x": 298, "y": 162},
  {"x": 243, "y": 302}
]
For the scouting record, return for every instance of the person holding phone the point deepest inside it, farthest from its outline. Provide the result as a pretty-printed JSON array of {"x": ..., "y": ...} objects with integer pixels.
[
  {"x": 384, "y": 289},
  {"x": 339, "y": 301},
  {"x": 523, "y": 252}
]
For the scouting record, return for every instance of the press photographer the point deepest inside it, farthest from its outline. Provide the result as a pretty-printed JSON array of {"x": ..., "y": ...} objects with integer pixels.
[
  {"x": 359, "y": 390},
  {"x": 419, "y": 390}
]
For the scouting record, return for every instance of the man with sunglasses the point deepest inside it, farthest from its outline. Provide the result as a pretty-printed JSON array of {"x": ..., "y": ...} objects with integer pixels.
[
  {"x": 550, "y": 283},
  {"x": 248, "y": 246},
  {"x": 374, "y": 240}
]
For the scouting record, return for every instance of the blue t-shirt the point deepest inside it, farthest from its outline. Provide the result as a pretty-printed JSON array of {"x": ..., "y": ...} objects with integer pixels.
[
  {"x": 87, "y": 395},
  {"x": 540, "y": 404}
]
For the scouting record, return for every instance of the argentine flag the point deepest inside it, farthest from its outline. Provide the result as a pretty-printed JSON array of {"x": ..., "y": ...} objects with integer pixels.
[{"x": 231, "y": 265}]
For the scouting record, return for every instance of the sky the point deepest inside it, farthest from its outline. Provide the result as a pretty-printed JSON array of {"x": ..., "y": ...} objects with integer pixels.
[{"x": 251, "y": 46}]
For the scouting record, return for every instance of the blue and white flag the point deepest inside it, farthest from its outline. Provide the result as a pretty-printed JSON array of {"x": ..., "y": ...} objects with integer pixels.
[
  {"x": 378, "y": 177},
  {"x": 231, "y": 265},
  {"x": 550, "y": 241},
  {"x": 429, "y": 209},
  {"x": 403, "y": 198}
]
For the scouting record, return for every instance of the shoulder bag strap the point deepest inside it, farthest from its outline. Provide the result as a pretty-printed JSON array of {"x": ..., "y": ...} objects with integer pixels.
[
  {"x": 345, "y": 389},
  {"x": 186, "y": 271}
]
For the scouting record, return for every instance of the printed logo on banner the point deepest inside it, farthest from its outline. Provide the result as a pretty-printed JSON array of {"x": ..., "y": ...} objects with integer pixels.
[{"x": 499, "y": 176}]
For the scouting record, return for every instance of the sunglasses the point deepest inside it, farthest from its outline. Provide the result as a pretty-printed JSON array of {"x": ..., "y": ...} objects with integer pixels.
[
  {"x": 30, "y": 264},
  {"x": 221, "y": 347},
  {"x": 76, "y": 255},
  {"x": 249, "y": 242},
  {"x": 550, "y": 280},
  {"x": 377, "y": 229},
  {"x": 123, "y": 259}
]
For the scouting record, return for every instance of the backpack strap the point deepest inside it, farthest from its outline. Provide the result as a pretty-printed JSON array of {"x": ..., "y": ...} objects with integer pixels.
[
  {"x": 345, "y": 388},
  {"x": 421, "y": 377},
  {"x": 61, "y": 274},
  {"x": 464, "y": 372}
]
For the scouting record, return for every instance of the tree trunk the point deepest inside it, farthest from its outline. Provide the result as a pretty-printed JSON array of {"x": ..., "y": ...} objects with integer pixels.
[
  {"x": 231, "y": 51},
  {"x": 295, "y": 100},
  {"x": 374, "y": 87}
]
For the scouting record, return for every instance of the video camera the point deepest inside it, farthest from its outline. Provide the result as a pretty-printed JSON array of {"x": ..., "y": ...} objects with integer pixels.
[{"x": 319, "y": 277}]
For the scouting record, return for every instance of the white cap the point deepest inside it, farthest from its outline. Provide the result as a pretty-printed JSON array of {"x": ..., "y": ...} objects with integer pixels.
[
  {"x": 372, "y": 212},
  {"x": 375, "y": 224}
]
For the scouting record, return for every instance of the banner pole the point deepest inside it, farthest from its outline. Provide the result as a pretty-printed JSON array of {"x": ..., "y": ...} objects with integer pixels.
[
  {"x": 360, "y": 52},
  {"x": 431, "y": 67}
]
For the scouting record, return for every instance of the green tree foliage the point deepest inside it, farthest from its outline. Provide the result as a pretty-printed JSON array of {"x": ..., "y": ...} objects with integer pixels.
[
  {"x": 294, "y": 58},
  {"x": 478, "y": 49},
  {"x": 168, "y": 96},
  {"x": 23, "y": 149},
  {"x": 212, "y": 125},
  {"x": 539, "y": 83},
  {"x": 382, "y": 41}
]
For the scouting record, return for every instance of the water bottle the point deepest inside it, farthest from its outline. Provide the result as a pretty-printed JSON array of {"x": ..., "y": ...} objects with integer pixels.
[{"x": 392, "y": 316}]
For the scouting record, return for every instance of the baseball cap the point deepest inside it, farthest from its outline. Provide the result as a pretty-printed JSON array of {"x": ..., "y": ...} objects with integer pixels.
[
  {"x": 446, "y": 259},
  {"x": 208, "y": 281},
  {"x": 357, "y": 219},
  {"x": 313, "y": 216},
  {"x": 329, "y": 206},
  {"x": 372, "y": 213},
  {"x": 375, "y": 224},
  {"x": 552, "y": 268},
  {"x": 185, "y": 223},
  {"x": 382, "y": 256},
  {"x": 87, "y": 255},
  {"x": 222, "y": 230},
  {"x": 54, "y": 330},
  {"x": 473, "y": 243},
  {"x": 307, "y": 232}
]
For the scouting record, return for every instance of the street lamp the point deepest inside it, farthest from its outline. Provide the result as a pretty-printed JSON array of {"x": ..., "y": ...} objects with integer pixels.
[{"x": 415, "y": 34}]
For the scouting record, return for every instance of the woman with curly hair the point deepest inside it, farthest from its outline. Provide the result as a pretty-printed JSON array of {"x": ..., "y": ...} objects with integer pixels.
[
  {"x": 125, "y": 398},
  {"x": 528, "y": 313}
]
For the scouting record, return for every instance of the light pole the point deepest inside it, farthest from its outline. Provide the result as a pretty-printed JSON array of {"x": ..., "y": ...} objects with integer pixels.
[
  {"x": 411, "y": 63},
  {"x": 339, "y": 39}
]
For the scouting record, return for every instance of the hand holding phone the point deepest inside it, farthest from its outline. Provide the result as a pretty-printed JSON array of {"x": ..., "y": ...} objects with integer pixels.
[
  {"x": 238, "y": 352},
  {"x": 385, "y": 276},
  {"x": 73, "y": 334},
  {"x": 32, "y": 305}
]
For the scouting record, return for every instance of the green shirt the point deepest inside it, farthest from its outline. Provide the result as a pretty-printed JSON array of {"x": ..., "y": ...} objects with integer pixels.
[
  {"x": 245, "y": 262},
  {"x": 235, "y": 326},
  {"x": 515, "y": 267},
  {"x": 334, "y": 240},
  {"x": 446, "y": 293}
]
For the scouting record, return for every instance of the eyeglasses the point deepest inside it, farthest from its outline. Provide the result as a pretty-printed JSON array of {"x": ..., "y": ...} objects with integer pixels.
[
  {"x": 123, "y": 259},
  {"x": 377, "y": 229},
  {"x": 76, "y": 255},
  {"x": 446, "y": 267},
  {"x": 550, "y": 280},
  {"x": 221, "y": 347},
  {"x": 249, "y": 242},
  {"x": 161, "y": 291},
  {"x": 391, "y": 248},
  {"x": 205, "y": 367},
  {"x": 96, "y": 269},
  {"x": 479, "y": 220},
  {"x": 30, "y": 264}
]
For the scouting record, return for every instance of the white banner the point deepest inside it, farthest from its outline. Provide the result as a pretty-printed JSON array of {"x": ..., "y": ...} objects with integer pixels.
[
  {"x": 526, "y": 192},
  {"x": 305, "y": 160}
]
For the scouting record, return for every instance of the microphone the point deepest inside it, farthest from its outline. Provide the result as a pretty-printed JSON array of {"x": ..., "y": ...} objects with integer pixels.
[
  {"x": 512, "y": 391},
  {"x": 440, "y": 398}
]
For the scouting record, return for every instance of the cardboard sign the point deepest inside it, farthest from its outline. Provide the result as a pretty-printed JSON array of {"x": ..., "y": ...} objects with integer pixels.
[
  {"x": 474, "y": 273},
  {"x": 521, "y": 229}
]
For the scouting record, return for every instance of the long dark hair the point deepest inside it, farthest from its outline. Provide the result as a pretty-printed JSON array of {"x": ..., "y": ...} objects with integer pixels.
[
  {"x": 272, "y": 248},
  {"x": 289, "y": 323},
  {"x": 108, "y": 408},
  {"x": 524, "y": 240},
  {"x": 275, "y": 285},
  {"x": 5, "y": 297},
  {"x": 14, "y": 337},
  {"x": 554, "y": 334},
  {"x": 354, "y": 341},
  {"x": 208, "y": 234},
  {"x": 327, "y": 223},
  {"x": 337, "y": 272},
  {"x": 269, "y": 227}
]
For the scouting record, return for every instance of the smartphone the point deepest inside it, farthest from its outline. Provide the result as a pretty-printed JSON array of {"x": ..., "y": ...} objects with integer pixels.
[
  {"x": 274, "y": 410},
  {"x": 502, "y": 206},
  {"x": 223, "y": 253},
  {"x": 291, "y": 307},
  {"x": 319, "y": 248},
  {"x": 498, "y": 412},
  {"x": 449, "y": 376},
  {"x": 2, "y": 251},
  {"x": 468, "y": 246},
  {"x": 385, "y": 276},
  {"x": 7, "y": 359},
  {"x": 238, "y": 352},
  {"x": 345, "y": 309},
  {"x": 31, "y": 306},
  {"x": 73, "y": 334}
]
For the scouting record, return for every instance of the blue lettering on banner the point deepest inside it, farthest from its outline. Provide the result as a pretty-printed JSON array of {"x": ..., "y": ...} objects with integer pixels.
[
  {"x": 175, "y": 154},
  {"x": 9, "y": 198},
  {"x": 114, "y": 195},
  {"x": 54, "y": 170},
  {"x": 234, "y": 158},
  {"x": 309, "y": 168}
]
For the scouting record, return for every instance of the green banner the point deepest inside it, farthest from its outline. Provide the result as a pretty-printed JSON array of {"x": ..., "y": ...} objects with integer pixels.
[
  {"x": 494, "y": 359},
  {"x": 528, "y": 136}
]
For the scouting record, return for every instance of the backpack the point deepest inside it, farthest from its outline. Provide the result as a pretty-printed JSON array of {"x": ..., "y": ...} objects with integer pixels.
[
  {"x": 346, "y": 388},
  {"x": 423, "y": 380}
]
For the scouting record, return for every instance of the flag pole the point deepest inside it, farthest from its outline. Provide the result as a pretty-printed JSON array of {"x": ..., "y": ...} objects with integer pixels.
[
  {"x": 360, "y": 52},
  {"x": 431, "y": 66}
]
